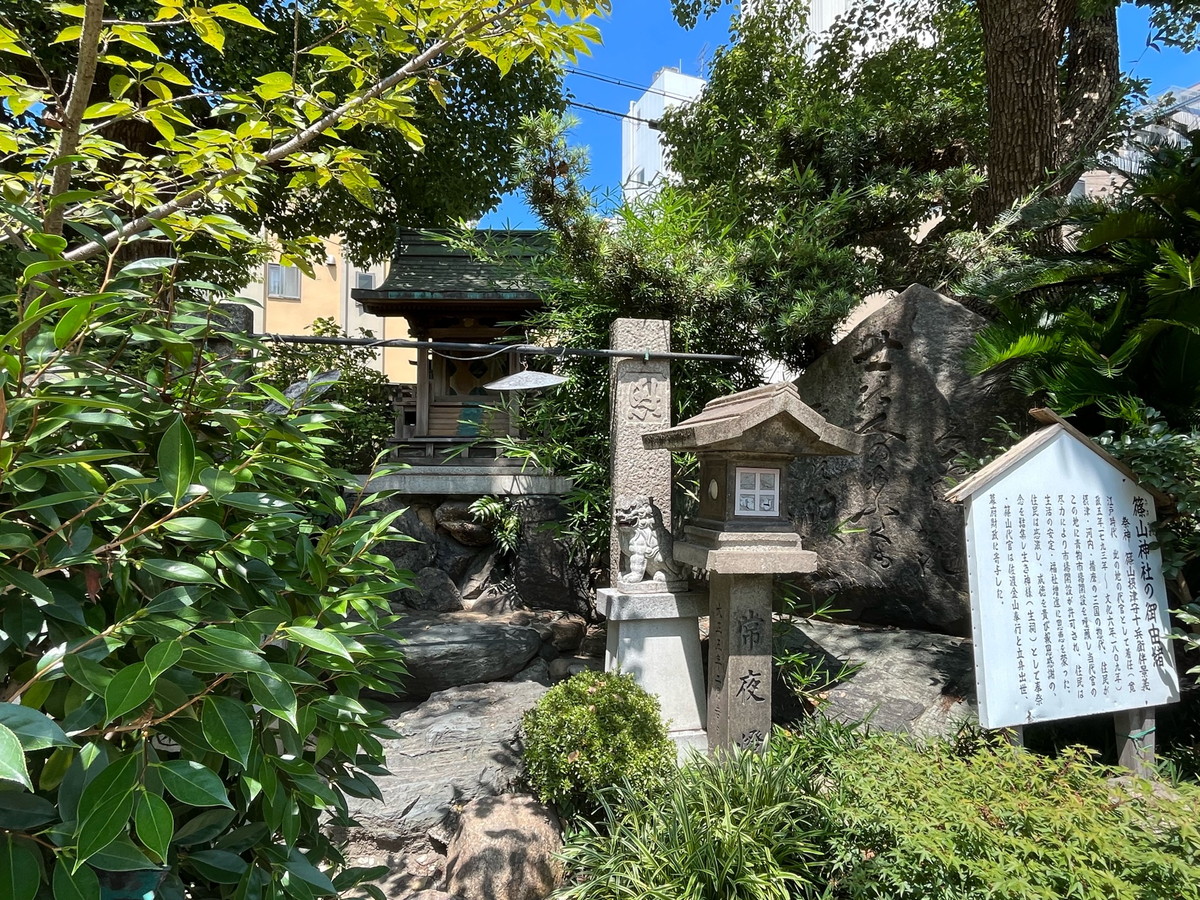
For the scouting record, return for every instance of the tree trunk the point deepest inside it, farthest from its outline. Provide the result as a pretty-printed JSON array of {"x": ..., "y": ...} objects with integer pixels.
[
  {"x": 1091, "y": 91},
  {"x": 1023, "y": 42}
]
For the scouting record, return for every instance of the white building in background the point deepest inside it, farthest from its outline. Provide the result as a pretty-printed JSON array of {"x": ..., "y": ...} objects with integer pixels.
[
  {"x": 644, "y": 165},
  {"x": 1177, "y": 108}
]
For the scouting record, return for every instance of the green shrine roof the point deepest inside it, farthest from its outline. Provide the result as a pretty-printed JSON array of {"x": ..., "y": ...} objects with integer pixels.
[{"x": 428, "y": 273}]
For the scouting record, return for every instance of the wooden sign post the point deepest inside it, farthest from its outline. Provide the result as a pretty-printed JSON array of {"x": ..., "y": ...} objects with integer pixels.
[{"x": 1068, "y": 605}]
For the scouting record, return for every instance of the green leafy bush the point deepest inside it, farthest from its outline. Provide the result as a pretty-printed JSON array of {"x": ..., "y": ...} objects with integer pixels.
[
  {"x": 588, "y": 733},
  {"x": 1003, "y": 823},
  {"x": 190, "y": 603},
  {"x": 737, "y": 827},
  {"x": 354, "y": 442},
  {"x": 837, "y": 814}
]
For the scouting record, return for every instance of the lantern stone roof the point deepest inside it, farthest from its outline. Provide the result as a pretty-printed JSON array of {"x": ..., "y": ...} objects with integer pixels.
[
  {"x": 1033, "y": 445},
  {"x": 429, "y": 274},
  {"x": 767, "y": 419}
]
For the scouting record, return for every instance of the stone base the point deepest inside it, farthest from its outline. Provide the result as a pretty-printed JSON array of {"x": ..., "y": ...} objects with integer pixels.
[
  {"x": 689, "y": 743},
  {"x": 656, "y": 639},
  {"x": 496, "y": 477}
]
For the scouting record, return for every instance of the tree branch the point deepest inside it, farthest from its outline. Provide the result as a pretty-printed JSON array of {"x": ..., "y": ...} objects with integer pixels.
[
  {"x": 299, "y": 140},
  {"x": 81, "y": 91}
]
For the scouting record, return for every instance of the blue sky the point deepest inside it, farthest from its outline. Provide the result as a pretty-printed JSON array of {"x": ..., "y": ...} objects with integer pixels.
[{"x": 640, "y": 37}]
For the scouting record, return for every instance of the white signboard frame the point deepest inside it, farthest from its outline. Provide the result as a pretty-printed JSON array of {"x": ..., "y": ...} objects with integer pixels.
[{"x": 1068, "y": 604}]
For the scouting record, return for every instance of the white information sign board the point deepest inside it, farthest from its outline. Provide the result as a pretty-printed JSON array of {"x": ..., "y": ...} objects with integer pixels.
[{"x": 1068, "y": 604}]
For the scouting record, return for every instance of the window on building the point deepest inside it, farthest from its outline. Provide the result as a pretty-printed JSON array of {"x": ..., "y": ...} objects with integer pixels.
[
  {"x": 365, "y": 281},
  {"x": 283, "y": 281}
]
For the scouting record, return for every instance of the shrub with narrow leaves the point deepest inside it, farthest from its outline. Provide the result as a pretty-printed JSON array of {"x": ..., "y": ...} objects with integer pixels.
[{"x": 191, "y": 605}]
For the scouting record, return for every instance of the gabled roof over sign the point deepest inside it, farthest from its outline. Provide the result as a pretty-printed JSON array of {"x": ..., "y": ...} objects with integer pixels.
[
  {"x": 730, "y": 423},
  {"x": 1029, "y": 447}
]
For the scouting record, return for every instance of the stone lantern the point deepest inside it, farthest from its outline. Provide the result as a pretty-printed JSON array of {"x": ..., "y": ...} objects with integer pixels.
[{"x": 743, "y": 537}]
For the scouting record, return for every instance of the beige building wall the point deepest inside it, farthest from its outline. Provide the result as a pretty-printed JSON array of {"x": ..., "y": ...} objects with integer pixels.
[{"x": 290, "y": 302}]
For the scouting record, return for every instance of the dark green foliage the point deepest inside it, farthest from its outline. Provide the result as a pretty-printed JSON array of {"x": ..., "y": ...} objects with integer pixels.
[
  {"x": 838, "y": 814},
  {"x": 587, "y": 734},
  {"x": 831, "y": 160},
  {"x": 355, "y": 441},
  {"x": 1116, "y": 316},
  {"x": 191, "y": 602},
  {"x": 1003, "y": 823}
]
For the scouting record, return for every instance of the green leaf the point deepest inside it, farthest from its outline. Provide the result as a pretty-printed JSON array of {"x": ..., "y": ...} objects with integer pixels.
[
  {"x": 162, "y": 656},
  {"x": 193, "y": 784},
  {"x": 177, "y": 570},
  {"x": 81, "y": 884},
  {"x": 223, "y": 659},
  {"x": 318, "y": 640},
  {"x": 88, "y": 673},
  {"x": 20, "y": 869},
  {"x": 122, "y": 855},
  {"x": 218, "y": 482},
  {"x": 219, "y": 866},
  {"x": 34, "y": 729},
  {"x": 105, "y": 806},
  {"x": 227, "y": 727},
  {"x": 23, "y": 811},
  {"x": 129, "y": 689},
  {"x": 155, "y": 824},
  {"x": 235, "y": 12},
  {"x": 196, "y": 528},
  {"x": 274, "y": 695},
  {"x": 257, "y": 501},
  {"x": 177, "y": 458},
  {"x": 12, "y": 759},
  {"x": 299, "y": 866}
]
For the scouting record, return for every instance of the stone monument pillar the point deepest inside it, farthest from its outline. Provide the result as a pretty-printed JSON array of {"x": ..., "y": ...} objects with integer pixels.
[{"x": 653, "y": 627}]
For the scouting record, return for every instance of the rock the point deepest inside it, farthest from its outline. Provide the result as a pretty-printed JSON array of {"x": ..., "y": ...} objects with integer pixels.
[
  {"x": 536, "y": 671},
  {"x": 434, "y": 590},
  {"x": 412, "y": 555},
  {"x": 458, "y": 745},
  {"x": 455, "y": 517},
  {"x": 562, "y": 631},
  {"x": 505, "y": 849},
  {"x": 478, "y": 575},
  {"x": 892, "y": 548},
  {"x": 565, "y": 666},
  {"x": 908, "y": 681},
  {"x": 595, "y": 642},
  {"x": 440, "y": 654},
  {"x": 432, "y": 895},
  {"x": 550, "y": 571}
]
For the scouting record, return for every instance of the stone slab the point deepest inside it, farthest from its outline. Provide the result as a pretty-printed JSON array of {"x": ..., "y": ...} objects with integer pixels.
[
  {"x": 747, "y": 561},
  {"x": 458, "y": 745},
  {"x": 739, "y": 677},
  {"x": 450, "y": 481},
  {"x": 910, "y": 681},
  {"x": 663, "y": 656},
  {"x": 621, "y": 606},
  {"x": 442, "y": 651},
  {"x": 640, "y": 404}
]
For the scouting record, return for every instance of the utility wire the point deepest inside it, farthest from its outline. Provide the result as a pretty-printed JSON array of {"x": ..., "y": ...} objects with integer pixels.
[
  {"x": 619, "y": 82},
  {"x": 653, "y": 123}
]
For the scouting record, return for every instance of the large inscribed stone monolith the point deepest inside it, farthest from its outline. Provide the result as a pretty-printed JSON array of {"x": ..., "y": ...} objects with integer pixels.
[{"x": 891, "y": 546}]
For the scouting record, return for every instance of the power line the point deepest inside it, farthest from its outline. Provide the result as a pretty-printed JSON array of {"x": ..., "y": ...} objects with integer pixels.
[
  {"x": 653, "y": 123},
  {"x": 619, "y": 82}
]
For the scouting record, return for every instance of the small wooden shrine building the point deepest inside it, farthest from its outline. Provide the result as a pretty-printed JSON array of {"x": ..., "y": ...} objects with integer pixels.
[{"x": 447, "y": 294}]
